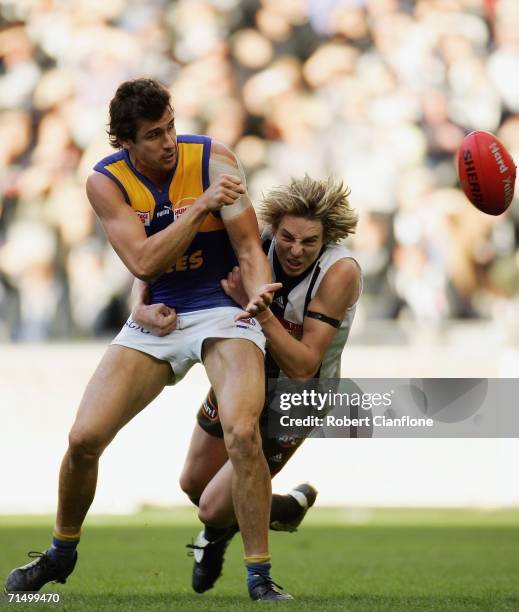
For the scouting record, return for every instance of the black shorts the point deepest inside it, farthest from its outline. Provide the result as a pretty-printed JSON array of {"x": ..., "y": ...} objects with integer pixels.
[{"x": 277, "y": 450}]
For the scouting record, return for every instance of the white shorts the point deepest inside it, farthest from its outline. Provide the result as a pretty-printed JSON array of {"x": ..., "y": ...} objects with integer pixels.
[{"x": 182, "y": 348}]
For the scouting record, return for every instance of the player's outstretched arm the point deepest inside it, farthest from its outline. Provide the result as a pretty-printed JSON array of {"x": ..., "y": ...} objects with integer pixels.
[
  {"x": 149, "y": 257},
  {"x": 158, "y": 319},
  {"x": 338, "y": 291}
]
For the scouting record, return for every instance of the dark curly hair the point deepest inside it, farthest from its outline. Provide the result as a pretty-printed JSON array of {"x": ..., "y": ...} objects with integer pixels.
[{"x": 133, "y": 101}]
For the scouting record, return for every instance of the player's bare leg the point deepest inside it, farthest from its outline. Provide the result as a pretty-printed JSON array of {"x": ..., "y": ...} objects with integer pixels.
[
  {"x": 125, "y": 381},
  {"x": 205, "y": 456},
  {"x": 216, "y": 504},
  {"x": 287, "y": 511},
  {"x": 216, "y": 508},
  {"x": 216, "y": 511},
  {"x": 236, "y": 370}
]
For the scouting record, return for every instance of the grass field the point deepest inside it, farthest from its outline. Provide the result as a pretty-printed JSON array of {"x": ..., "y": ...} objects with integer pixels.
[{"x": 402, "y": 560}]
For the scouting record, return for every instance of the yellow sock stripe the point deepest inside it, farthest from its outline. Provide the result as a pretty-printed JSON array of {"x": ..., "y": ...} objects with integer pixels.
[
  {"x": 66, "y": 537},
  {"x": 263, "y": 558}
]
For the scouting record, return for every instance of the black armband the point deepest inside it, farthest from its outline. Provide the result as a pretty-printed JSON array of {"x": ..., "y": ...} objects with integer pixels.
[{"x": 321, "y": 317}]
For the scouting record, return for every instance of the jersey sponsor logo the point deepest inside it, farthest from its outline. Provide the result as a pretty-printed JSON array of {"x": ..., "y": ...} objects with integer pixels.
[
  {"x": 178, "y": 212},
  {"x": 181, "y": 206},
  {"x": 276, "y": 458},
  {"x": 209, "y": 411},
  {"x": 144, "y": 217},
  {"x": 165, "y": 211}
]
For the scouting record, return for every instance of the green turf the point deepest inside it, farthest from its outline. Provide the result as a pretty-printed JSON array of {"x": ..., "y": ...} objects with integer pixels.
[{"x": 381, "y": 560}]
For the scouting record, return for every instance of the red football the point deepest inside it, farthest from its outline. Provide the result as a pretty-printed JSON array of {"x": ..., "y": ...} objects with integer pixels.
[{"x": 486, "y": 172}]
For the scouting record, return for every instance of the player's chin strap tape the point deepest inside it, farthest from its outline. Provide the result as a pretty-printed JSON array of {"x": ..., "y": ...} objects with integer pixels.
[{"x": 321, "y": 317}]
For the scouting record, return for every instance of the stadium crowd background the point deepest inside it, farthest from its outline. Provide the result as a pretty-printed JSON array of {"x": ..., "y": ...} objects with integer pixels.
[{"x": 378, "y": 92}]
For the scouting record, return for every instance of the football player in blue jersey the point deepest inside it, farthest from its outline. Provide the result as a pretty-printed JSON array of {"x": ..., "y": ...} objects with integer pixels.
[
  {"x": 306, "y": 327},
  {"x": 176, "y": 211}
]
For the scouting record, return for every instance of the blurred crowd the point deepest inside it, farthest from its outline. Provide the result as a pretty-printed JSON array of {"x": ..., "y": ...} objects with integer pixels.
[{"x": 377, "y": 92}]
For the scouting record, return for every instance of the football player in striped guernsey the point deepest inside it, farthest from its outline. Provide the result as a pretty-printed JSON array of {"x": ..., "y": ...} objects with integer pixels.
[{"x": 306, "y": 328}]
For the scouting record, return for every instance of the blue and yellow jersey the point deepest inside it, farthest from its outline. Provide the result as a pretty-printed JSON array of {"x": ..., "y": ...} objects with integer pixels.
[{"x": 193, "y": 283}]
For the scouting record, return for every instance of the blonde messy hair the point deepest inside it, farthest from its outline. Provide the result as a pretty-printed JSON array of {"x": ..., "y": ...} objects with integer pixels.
[{"x": 326, "y": 201}]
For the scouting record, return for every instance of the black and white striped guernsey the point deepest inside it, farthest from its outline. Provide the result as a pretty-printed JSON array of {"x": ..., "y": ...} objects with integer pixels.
[{"x": 290, "y": 305}]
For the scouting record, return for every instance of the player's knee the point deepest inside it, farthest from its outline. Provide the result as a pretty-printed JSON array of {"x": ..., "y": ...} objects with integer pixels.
[
  {"x": 210, "y": 514},
  {"x": 206, "y": 513},
  {"x": 242, "y": 440},
  {"x": 191, "y": 487},
  {"x": 84, "y": 445}
]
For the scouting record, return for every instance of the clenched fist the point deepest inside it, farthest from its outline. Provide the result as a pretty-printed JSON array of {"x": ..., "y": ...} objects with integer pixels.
[
  {"x": 223, "y": 192},
  {"x": 158, "y": 319}
]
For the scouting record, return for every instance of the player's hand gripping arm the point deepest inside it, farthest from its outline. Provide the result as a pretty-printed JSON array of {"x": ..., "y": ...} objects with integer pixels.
[
  {"x": 158, "y": 319},
  {"x": 146, "y": 257},
  {"x": 338, "y": 291}
]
